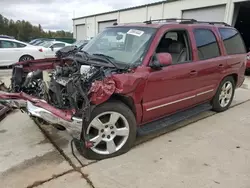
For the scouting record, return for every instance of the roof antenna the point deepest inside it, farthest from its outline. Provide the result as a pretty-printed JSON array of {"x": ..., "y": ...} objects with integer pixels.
[{"x": 148, "y": 21}]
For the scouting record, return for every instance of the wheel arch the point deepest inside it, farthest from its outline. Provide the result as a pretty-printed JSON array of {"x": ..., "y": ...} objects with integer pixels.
[
  {"x": 25, "y": 55},
  {"x": 235, "y": 77},
  {"x": 126, "y": 100}
]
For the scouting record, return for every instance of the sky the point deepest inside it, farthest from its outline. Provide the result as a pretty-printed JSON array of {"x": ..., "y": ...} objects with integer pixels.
[{"x": 58, "y": 14}]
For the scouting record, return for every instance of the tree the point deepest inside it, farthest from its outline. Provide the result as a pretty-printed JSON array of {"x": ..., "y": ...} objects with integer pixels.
[
  {"x": 40, "y": 28},
  {"x": 25, "y": 31}
]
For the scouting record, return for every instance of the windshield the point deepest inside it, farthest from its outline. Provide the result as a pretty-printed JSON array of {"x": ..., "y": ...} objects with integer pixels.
[
  {"x": 79, "y": 43},
  {"x": 125, "y": 44},
  {"x": 33, "y": 41}
]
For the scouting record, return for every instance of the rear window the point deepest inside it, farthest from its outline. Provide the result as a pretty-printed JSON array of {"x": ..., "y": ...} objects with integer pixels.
[
  {"x": 58, "y": 45},
  {"x": 206, "y": 44},
  {"x": 232, "y": 41},
  {"x": 19, "y": 45}
]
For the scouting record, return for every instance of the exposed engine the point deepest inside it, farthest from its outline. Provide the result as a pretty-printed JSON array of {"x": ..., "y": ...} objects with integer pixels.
[
  {"x": 68, "y": 84},
  {"x": 31, "y": 83}
]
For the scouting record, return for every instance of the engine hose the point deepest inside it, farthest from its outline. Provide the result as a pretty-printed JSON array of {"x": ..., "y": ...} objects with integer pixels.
[
  {"x": 85, "y": 118},
  {"x": 86, "y": 109},
  {"x": 79, "y": 146}
]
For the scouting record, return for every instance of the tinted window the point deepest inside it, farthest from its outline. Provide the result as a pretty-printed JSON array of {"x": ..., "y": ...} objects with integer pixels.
[
  {"x": 206, "y": 44},
  {"x": 7, "y": 44},
  {"x": 19, "y": 45},
  {"x": 232, "y": 41},
  {"x": 10, "y": 44},
  {"x": 172, "y": 35},
  {"x": 58, "y": 45}
]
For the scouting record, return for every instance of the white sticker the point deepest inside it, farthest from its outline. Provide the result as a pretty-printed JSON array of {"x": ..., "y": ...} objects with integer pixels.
[{"x": 135, "y": 32}]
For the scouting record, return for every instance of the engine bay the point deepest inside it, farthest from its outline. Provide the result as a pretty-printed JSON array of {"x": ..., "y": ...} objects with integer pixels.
[{"x": 67, "y": 84}]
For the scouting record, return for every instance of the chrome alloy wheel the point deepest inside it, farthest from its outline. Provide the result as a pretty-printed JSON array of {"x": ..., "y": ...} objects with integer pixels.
[
  {"x": 226, "y": 94},
  {"x": 109, "y": 132}
]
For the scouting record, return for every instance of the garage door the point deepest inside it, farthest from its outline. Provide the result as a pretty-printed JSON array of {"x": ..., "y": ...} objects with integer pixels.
[
  {"x": 81, "y": 32},
  {"x": 215, "y": 13},
  {"x": 103, "y": 25}
]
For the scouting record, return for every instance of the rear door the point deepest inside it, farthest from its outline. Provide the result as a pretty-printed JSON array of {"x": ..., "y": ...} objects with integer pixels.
[
  {"x": 236, "y": 52},
  {"x": 210, "y": 62}
]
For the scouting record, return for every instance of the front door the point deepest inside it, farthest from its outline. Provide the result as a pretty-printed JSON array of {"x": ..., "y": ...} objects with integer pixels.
[
  {"x": 168, "y": 90},
  {"x": 172, "y": 88}
]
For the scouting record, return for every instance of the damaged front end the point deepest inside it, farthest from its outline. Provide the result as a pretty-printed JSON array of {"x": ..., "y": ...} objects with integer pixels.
[{"x": 62, "y": 91}]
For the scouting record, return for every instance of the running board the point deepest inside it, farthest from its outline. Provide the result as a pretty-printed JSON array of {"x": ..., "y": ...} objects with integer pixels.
[{"x": 158, "y": 125}]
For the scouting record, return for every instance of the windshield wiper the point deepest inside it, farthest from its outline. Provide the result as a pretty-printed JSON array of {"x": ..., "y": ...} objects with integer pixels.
[{"x": 106, "y": 57}]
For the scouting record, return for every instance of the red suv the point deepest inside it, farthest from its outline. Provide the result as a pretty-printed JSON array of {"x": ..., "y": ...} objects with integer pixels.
[{"x": 133, "y": 79}]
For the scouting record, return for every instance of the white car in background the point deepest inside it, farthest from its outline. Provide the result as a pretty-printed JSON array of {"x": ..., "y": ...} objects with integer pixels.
[
  {"x": 12, "y": 51},
  {"x": 51, "y": 47}
]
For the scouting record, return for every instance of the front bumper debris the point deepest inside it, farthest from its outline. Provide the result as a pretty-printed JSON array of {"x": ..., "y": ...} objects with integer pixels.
[
  {"x": 41, "y": 109},
  {"x": 49, "y": 116},
  {"x": 3, "y": 111},
  {"x": 74, "y": 126}
]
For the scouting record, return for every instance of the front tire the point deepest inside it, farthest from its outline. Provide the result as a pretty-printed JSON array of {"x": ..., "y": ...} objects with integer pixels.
[
  {"x": 224, "y": 95},
  {"x": 112, "y": 129}
]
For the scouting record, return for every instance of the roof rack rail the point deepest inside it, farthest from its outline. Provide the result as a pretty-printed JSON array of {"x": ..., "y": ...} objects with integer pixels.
[
  {"x": 170, "y": 20},
  {"x": 185, "y": 21},
  {"x": 213, "y": 23}
]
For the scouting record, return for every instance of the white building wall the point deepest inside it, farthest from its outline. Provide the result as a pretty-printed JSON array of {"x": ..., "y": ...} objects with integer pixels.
[
  {"x": 77, "y": 22},
  {"x": 134, "y": 15},
  {"x": 163, "y": 10},
  {"x": 90, "y": 26},
  {"x": 174, "y": 9},
  {"x": 155, "y": 12}
]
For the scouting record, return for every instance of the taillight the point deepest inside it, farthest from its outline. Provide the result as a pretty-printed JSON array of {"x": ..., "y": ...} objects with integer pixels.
[{"x": 40, "y": 50}]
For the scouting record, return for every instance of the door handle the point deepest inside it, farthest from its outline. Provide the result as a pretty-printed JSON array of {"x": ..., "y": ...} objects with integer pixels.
[
  {"x": 221, "y": 65},
  {"x": 193, "y": 72}
]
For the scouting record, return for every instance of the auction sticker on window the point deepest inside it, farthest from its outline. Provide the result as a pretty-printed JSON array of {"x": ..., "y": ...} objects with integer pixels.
[{"x": 135, "y": 32}]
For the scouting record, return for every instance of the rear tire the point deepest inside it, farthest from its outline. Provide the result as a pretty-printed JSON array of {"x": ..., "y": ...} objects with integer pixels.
[
  {"x": 26, "y": 58},
  {"x": 224, "y": 95},
  {"x": 112, "y": 127}
]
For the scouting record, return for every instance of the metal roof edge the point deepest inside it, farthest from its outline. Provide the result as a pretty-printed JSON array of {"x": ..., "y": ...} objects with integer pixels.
[{"x": 124, "y": 9}]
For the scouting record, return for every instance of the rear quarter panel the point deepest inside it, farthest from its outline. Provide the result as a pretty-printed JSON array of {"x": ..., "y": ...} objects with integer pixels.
[
  {"x": 33, "y": 51},
  {"x": 236, "y": 65}
]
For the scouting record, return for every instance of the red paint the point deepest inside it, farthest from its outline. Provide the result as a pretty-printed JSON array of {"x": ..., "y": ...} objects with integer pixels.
[
  {"x": 248, "y": 61},
  {"x": 41, "y": 64},
  {"x": 102, "y": 90},
  {"x": 164, "y": 58},
  {"x": 187, "y": 83},
  {"x": 64, "y": 114}
]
